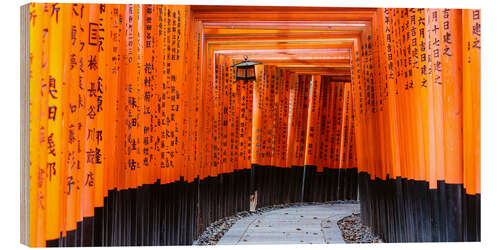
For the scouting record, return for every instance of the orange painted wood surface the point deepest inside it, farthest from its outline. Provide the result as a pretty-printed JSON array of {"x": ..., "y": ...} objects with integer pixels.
[{"x": 127, "y": 95}]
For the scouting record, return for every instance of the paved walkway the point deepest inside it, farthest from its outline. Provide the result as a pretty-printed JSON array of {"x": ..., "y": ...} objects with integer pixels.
[{"x": 313, "y": 224}]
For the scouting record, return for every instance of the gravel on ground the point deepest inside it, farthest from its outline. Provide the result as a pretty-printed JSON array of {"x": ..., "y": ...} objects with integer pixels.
[{"x": 354, "y": 231}]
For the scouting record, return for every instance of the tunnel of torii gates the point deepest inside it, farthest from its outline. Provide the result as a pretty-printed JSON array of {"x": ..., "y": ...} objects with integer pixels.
[{"x": 140, "y": 135}]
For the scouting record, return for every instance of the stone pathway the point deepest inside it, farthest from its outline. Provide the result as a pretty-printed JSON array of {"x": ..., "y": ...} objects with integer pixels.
[{"x": 315, "y": 224}]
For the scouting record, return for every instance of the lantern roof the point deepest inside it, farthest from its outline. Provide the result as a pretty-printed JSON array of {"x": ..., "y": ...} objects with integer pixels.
[{"x": 245, "y": 63}]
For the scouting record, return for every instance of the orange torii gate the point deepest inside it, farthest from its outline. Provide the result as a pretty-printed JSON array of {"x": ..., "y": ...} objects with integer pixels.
[{"x": 139, "y": 134}]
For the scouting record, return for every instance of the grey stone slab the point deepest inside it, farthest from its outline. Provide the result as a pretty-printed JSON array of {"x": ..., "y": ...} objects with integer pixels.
[{"x": 317, "y": 224}]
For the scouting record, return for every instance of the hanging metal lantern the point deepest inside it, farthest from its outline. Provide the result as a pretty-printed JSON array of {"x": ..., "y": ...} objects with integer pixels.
[{"x": 245, "y": 70}]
